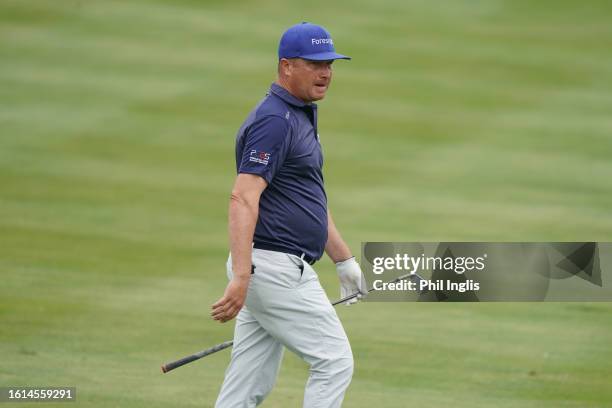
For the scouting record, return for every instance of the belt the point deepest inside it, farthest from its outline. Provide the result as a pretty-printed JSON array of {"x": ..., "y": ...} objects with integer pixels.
[{"x": 268, "y": 247}]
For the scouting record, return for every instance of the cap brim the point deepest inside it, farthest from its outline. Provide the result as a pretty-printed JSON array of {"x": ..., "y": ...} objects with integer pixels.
[{"x": 324, "y": 56}]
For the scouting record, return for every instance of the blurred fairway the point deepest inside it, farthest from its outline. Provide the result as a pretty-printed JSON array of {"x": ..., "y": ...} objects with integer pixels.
[{"x": 456, "y": 120}]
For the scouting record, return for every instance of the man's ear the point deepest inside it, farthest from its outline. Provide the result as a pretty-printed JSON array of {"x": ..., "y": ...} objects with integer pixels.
[{"x": 285, "y": 67}]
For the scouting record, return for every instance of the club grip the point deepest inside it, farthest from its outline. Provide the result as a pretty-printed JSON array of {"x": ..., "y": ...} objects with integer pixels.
[
  {"x": 186, "y": 360},
  {"x": 171, "y": 366}
]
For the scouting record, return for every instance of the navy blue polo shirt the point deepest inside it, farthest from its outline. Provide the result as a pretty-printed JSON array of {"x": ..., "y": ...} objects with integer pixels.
[{"x": 279, "y": 142}]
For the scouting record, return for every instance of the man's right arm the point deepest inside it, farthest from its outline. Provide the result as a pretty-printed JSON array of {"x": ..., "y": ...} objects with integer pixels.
[{"x": 243, "y": 213}]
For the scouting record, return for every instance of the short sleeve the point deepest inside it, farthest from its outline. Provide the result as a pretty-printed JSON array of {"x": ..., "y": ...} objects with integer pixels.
[{"x": 265, "y": 147}]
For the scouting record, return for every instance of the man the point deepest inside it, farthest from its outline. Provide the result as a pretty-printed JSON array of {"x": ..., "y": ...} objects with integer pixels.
[{"x": 279, "y": 226}]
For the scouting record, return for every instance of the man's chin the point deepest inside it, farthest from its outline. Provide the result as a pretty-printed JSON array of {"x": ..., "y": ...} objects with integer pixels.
[{"x": 318, "y": 96}]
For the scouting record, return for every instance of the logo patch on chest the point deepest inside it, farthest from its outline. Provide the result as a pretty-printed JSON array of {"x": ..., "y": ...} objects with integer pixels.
[{"x": 259, "y": 157}]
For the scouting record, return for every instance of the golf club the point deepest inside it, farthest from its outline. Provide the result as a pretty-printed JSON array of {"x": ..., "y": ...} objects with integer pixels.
[{"x": 196, "y": 356}]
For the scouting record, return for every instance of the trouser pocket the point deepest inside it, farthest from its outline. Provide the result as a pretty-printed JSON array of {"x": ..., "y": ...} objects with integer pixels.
[
  {"x": 297, "y": 261},
  {"x": 277, "y": 267}
]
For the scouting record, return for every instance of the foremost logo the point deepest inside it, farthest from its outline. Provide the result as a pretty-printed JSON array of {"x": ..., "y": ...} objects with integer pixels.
[{"x": 318, "y": 41}]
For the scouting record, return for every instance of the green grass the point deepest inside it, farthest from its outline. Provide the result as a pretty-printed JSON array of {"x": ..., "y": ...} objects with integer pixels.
[{"x": 456, "y": 120}]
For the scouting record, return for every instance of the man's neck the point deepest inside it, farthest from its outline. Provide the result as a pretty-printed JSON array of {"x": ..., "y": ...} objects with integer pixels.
[{"x": 287, "y": 88}]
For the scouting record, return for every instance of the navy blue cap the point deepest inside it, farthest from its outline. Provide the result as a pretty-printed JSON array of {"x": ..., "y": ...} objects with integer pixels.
[{"x": 308, "y": 41}]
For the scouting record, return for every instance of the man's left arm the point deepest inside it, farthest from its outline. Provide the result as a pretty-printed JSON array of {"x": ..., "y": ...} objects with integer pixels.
[
  {"x": 335, "y": 247},
  {"x": 349, "y": 272}
]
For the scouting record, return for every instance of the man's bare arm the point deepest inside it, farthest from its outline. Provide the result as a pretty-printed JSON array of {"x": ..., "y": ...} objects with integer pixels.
[
  {"x": 335, "y": 247},
  {"x": 243, "y": 213},
  {"x": 349, "y": 272}
]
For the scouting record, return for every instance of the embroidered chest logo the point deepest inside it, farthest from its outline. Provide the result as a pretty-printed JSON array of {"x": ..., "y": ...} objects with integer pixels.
[{"x": 259, "y": 157}]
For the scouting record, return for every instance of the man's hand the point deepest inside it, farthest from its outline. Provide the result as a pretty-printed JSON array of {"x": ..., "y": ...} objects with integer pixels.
[
  {"x": 351, "y": 280},
  {"x": 226, "y": 308}
]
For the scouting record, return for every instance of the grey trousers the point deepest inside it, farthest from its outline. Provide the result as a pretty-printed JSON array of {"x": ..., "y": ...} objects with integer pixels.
[{"x": 286, "y": 307}]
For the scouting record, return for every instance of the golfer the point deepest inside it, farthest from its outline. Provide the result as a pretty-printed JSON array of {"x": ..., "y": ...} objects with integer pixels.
[{"x": 279, "y": 226}]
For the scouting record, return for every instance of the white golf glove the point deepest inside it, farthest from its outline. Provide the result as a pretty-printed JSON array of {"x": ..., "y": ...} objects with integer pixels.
[{"x": 351, "y": 280}]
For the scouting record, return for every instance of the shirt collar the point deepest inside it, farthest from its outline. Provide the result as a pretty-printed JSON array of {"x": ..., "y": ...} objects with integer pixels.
[{"x": 286, "y": 96}]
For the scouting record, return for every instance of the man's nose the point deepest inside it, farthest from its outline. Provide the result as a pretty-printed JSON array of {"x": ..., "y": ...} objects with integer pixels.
[{"x": 325, "y": 71}]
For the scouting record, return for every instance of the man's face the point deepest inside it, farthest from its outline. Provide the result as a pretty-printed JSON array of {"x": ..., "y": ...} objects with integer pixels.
[{"x": 309, "y": 80}]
